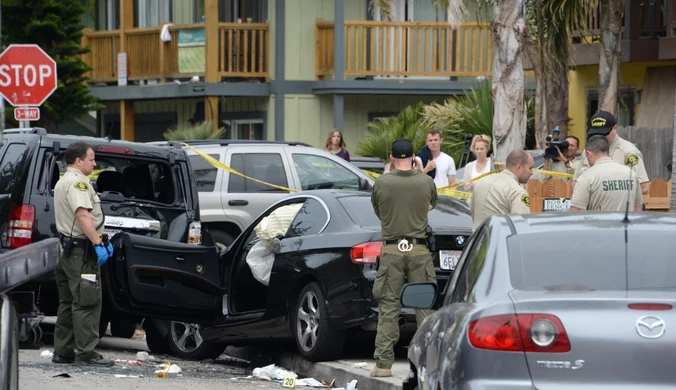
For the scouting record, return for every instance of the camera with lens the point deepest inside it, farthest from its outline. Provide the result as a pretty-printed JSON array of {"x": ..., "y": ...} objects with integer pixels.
[{"x": 553, "y": 142}]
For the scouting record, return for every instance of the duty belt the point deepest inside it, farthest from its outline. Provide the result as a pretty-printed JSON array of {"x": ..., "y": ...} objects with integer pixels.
[{"x": 405, "y": 244}]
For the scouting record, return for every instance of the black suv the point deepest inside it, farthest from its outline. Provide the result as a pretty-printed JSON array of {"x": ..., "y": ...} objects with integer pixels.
[{"x": 144, "y": 189}]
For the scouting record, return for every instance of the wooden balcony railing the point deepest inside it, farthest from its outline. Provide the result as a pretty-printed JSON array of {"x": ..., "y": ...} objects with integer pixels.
[
  {"x": 407, "y": 49},
  {"x": 243, "y": 52}
]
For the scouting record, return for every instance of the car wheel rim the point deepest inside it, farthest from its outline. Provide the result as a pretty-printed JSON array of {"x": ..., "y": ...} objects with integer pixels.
[
  {"x": 186, "y": 337},
  {"x": 307, "y": 323}
]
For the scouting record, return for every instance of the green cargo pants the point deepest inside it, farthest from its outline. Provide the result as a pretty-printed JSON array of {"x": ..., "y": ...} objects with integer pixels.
[
  {"x": 77, "y": 321},
  {"x": 395, "y": 266}
]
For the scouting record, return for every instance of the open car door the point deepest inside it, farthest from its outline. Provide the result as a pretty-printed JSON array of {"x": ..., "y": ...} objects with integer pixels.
[{"x": 156, "y": 278}]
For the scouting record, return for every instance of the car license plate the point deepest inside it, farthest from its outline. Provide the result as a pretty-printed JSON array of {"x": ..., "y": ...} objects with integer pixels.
[{"x": 449, "y": 259}]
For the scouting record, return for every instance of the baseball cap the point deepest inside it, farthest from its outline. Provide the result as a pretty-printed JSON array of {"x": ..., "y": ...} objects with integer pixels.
[
  {"x": 601, "y": 123},
  {"x": 402, "y": 148}
]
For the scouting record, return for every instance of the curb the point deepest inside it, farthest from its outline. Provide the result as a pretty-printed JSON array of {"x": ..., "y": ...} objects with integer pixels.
[{"x": 343, "y": 374}]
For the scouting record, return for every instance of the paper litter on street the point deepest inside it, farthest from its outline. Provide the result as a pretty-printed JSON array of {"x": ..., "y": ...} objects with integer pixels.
[
  {"x": 47, "y": 354},
  {"x": 273, "y": 373}
]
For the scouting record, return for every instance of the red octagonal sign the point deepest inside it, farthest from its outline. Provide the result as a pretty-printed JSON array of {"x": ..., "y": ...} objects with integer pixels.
[{"x": 27, "y": 75}]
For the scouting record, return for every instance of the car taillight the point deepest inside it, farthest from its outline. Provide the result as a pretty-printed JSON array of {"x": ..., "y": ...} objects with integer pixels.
[
  {"x": 21, "y": 223},
  {"x": 366, "y": 253},
  {"x": 195, "y": 233},
  {"x": 115, "y": 149},
  {"x": 650, "y": 306},
  {"x": 521, "y": 332}
]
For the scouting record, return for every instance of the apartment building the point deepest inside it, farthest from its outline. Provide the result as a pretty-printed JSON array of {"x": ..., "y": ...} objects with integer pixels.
[
  {"x": 647, "y": 69},
  {"x": 274, "y": 69}
]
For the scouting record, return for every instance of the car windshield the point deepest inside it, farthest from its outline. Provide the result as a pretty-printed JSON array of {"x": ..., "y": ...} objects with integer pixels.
[
  {"x": 593, "y": 260},
  {"x": 447, "y": 213}
]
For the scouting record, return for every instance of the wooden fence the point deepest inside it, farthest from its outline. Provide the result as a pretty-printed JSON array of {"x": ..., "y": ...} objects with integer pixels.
[
  {"x": 657, "y": 200},
  {"x": 655, "y": 145}
]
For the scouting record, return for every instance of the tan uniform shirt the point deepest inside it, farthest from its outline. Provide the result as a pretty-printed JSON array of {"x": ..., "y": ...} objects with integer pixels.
[
  {"x": 71, "y": 192},
  {"x": 498, "y": 194},
  {"x": 606, "y": 187},
  {"x": 622, "y": 152}
]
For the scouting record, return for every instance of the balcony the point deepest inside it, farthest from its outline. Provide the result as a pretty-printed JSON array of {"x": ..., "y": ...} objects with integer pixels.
[
  {"x": 243, "y": 52},
  {"x": 406, "y": 49}
]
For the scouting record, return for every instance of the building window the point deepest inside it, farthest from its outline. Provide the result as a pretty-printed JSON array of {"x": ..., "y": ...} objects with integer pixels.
[
  {"x": 626, "y": 101},
  {"x": 247, "y": 129},
  {"x": 107, "y": 15},
  {"x": 151, "y": 13},
  {"x": 242, "y": 11}
]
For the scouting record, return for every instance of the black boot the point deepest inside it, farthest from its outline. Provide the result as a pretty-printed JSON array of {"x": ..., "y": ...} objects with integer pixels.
[
  {"x": 62, "y": 359},
  {"x": 98, "y": 361}
]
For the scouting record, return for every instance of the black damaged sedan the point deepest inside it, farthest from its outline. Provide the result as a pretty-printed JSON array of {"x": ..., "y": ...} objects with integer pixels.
[{"x": 319, "y": 286}]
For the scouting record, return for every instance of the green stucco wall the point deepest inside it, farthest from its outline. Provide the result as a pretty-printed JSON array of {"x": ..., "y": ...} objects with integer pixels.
[
  {"x": 309, "y": 118},
  {"x": 301, "y": 22}
]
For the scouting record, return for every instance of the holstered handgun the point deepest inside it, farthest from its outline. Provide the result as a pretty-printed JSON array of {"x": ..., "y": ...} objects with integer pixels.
[
  {"x": 431, "y": 239},
  {"x": 66, "y": 244}
]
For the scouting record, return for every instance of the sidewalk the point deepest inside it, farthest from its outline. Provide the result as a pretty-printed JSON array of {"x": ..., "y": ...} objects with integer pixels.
[{"x": 344, "y": 371}]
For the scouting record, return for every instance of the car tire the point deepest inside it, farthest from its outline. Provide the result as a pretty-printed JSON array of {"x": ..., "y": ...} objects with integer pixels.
[
  {"x": 316, "y": 339},
  {"x": 124, "y": 328},
  {"x": 157, "y": 342},
  {"x": 186, "y": 342},
  {"x": 222, "y": 237}
]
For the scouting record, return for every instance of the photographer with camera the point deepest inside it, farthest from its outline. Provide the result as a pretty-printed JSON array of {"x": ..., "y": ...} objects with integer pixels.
[{"x": 560, "y": 155}]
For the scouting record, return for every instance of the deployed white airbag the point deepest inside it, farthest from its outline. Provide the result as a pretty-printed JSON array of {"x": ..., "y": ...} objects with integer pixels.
[{"x": 262, "y": 255}]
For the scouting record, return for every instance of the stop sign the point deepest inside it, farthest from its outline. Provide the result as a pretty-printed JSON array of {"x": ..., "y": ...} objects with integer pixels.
[{"x": 27, "y": 75}]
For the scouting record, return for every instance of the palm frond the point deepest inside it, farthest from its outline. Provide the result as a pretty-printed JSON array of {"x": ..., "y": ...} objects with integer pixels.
[
  {"x": 382, "y": 132},
  {"x": 470, "y": 113},
  {"x": 187, "y": 131}
]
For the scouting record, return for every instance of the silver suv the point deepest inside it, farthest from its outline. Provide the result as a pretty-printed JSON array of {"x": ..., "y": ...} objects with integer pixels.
[{"x": 229, "y": 203}]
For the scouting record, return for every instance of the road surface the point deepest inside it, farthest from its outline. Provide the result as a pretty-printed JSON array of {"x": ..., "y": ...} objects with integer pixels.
[{"x": 36, "y": 372}]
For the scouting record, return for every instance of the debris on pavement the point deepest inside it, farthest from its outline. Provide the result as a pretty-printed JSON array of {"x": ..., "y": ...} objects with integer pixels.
[
  {"x": 167, "y": 368},
  {"x": 128, "y": 376},
  {"x": 47, "y": 354},
  {"x": 136, "y": 363},
  {"x": 64, "y": 375},
  {"x": 273, "y": 373},
  {"x": 144, "y": 357},
  {"x": 360, "y": 365}
]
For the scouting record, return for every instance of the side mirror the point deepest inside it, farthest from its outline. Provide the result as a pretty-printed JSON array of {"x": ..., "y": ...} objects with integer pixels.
[
  {"x": 364, "y": 185},
  {"x": 419, "y": 295}
]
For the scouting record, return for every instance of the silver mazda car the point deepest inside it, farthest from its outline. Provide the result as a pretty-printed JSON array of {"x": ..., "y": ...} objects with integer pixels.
[{"x": 553, "y": 301}]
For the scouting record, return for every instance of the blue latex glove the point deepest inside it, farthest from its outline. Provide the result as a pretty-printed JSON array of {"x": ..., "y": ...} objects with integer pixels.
[
  {"x": 109, "y": 248},
  {"x": 102, "y": 254}
]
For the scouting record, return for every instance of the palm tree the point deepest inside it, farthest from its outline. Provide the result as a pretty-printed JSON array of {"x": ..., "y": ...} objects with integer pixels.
[
  {"x": 552, "y": 24},
  {"x": 189, "y": 131},
  {"x": 381, "y": 133},
  {"x": 508, "y": 32},
  {"x": 471, "y": 113},
  {"x": 612, "y": 15}
]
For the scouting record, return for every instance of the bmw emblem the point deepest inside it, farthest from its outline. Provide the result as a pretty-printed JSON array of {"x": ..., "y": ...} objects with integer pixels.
[{"x": 460, "y": 240}]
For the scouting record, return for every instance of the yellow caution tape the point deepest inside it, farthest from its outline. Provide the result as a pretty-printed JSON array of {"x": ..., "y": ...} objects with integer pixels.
[
  {"x": 544, "y": 172},
  {"x": 448, "y": 190},
  {"x": 217, "y": 164}
]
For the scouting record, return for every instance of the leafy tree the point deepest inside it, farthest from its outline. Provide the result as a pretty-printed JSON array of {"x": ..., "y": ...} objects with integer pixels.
[
  {"x": 57, "y": 27},
  {"x": 187, "y": 131}
]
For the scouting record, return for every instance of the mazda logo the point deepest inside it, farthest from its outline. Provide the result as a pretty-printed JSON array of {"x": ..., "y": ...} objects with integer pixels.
[
  {"x": 650, "y": 327},
  {"x": 460, "y": 240}
]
